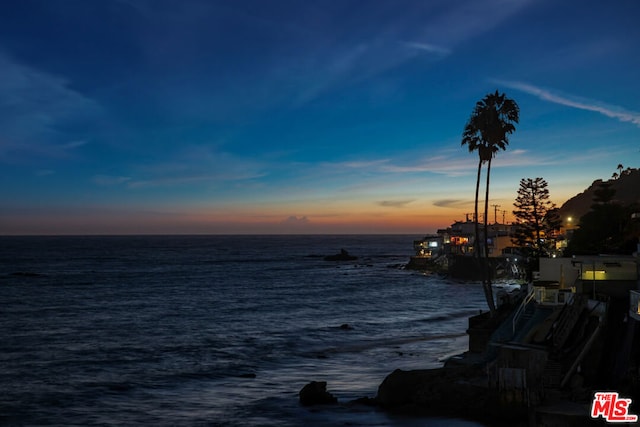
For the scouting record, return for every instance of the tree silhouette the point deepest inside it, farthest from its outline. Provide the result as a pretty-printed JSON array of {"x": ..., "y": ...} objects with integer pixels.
[
  {"x": 537, "y": 216},
  {"x": 610, "y": 227},
  {"x": 606, "y": 229},
  {"x": 487, "y": 131},
  {"x": 603, "y": 194}
]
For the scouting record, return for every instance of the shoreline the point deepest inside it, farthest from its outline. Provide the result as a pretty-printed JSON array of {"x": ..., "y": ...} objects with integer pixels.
[{"x": 505, "y": 379}]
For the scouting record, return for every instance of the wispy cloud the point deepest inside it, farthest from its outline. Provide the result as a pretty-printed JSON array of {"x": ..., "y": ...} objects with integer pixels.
[
  {"x": 427, "y": 47},
  {"x": 362, "y": 164},
  {"x": 73, "y": 144},
  {"x": 447, "y": 162},
  {"x": 193, "y": 165},
  {"x": 438, "y": 164},
  {"x": 35, "y": 105},
  {"x": 453, "y": 203},
  {"x": 518, "y": 157},
  {"x": 109, "y": 180},
  {"x": 173, "y": 181},
  {"x": 330, "y": 66},
  {"x": 456, "y": 164},
  {"x": 464, "y": 20},
  {"x": 395, "y": 203},
  {"x": 335, "y": 67},
  {"x": 294, "y": 220},
  {"x": 608, "y": 110}
]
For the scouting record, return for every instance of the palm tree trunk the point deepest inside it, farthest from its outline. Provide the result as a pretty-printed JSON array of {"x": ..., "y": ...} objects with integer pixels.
[
  {"x": 486, "y": 283},
  {"x": 476, "y": 240},
  {"x": 476, "y": 246}
]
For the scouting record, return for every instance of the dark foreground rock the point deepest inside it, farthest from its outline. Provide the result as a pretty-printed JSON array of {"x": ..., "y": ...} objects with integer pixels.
[
  {"x": 458, "y": 391},
  {"x": 315, "y": 393}
]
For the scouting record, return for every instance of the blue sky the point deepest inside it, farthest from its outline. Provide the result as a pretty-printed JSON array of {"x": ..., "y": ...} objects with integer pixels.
[{"x": 193, "y": 116}]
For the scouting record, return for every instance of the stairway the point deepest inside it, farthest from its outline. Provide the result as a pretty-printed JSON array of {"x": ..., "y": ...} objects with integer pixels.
[
  {"x": 528, "y": 313},
  {"x": 552, "y": 374},
  {"x": 568, "y": 320},
  {"x": 531, "y": 316},
  {"x": 525, "y": 317}
]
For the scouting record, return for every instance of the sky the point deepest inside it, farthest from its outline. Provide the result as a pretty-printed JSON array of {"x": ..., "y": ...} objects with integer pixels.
[{"x": 331, "y": 116}]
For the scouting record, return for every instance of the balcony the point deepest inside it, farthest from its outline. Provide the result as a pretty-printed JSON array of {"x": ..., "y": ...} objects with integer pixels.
[{"x": 552, "y": 295}]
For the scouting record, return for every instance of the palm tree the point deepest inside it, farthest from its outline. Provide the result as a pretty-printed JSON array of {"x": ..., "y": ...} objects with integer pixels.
[
  {"x": 492, "y": 121},
  {"x": 473, "y": 143}
]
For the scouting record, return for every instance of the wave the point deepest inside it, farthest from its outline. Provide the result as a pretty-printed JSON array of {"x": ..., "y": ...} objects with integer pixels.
[{"x": 378, "y": 343}]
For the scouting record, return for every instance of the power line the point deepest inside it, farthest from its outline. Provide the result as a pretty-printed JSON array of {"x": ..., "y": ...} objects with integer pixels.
[{"x": 495, "y": 213}]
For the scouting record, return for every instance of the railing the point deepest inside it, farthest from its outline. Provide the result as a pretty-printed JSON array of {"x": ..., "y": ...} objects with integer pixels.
[
  {"x": 520, "y": 309},
  {"x": 634, "y": 304},
  {"x": 568, "y": 318},
  {"x": 553, "y": 296},
  {"x": 583, "y": 352}
]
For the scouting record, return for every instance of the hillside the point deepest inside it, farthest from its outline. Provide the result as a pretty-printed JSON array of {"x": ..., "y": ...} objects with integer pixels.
[{"x": 627, "y": 189}]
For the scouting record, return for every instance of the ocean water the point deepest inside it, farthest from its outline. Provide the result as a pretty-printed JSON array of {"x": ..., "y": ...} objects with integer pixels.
[{"x": 216, "y": 330}]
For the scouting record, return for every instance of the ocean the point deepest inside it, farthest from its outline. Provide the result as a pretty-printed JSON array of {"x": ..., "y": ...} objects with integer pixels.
[{"x": 216, "y": 330}]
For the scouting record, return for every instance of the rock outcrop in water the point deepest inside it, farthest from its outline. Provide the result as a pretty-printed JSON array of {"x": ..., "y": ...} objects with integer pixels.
[
  {"x": 342, "y": 256},
  {"x": 315, "y": 393}
]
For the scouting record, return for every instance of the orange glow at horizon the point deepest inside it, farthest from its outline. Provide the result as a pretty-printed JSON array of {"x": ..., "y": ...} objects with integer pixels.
[
  {"x": 415, "y": 216},
  {"x": 392, "y": 221}
]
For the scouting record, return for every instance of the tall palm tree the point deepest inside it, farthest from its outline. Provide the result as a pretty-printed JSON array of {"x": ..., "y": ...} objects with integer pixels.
[
  {"x": 473, "y": 142},
  {"x": 492, "y": 121}
]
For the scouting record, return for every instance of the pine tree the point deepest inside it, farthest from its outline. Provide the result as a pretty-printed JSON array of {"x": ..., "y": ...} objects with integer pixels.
[{"x": 537, "y": 217}]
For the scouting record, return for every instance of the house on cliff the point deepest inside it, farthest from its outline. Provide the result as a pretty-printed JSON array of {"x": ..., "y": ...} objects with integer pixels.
[
  {"x": 576, "y": 331},
  {"x": 454, "y": 248}
]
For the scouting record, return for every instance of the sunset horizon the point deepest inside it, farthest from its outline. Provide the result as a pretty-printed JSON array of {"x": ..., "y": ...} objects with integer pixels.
[{"x": 142, "y": 117}]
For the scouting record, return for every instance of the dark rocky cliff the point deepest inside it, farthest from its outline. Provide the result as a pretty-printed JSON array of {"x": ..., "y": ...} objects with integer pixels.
[{"x": 627, "y": 188}]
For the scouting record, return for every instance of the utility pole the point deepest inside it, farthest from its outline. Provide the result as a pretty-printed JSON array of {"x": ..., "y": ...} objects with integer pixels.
[
  {"x": 495, "y": 213},
  {"x": 503, "y": 215}
]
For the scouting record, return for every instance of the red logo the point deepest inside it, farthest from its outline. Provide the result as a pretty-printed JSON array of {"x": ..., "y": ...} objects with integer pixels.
[{"x": 612, "y": 408}]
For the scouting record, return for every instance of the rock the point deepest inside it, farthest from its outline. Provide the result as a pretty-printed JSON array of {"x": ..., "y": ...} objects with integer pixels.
[
  {"x": 401, "y": 387},
  {"x": 442, "y": 391},
  {"x": 315, "y": 393},
  {"x": 366, "y": 401},
  {"x": 342, "y": 256},
  {"x": 346, "y": 327}
]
